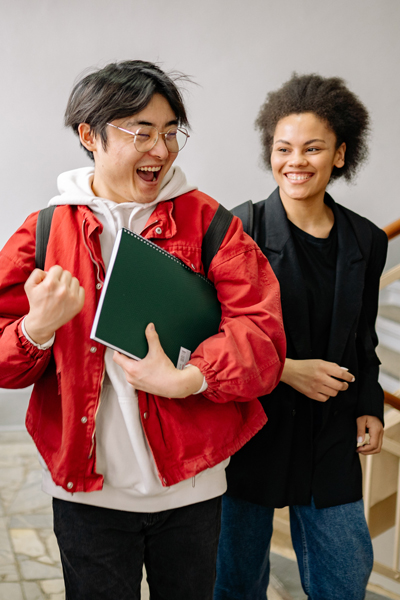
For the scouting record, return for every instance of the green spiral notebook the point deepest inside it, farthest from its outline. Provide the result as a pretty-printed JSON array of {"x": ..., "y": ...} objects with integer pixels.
[{"x": 145, "y": 284}]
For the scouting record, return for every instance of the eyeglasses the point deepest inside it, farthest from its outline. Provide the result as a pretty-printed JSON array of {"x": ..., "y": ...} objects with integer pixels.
[{"x": 146, "y": 137}]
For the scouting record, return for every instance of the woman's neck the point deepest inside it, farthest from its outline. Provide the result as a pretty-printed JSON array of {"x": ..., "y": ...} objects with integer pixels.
[{"x": 311, "y": 215}]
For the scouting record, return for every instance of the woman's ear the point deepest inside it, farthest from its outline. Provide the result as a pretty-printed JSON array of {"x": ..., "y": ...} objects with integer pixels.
[
  {"x": 87, "y": 137},
  {"x": 339, "y": 156}
]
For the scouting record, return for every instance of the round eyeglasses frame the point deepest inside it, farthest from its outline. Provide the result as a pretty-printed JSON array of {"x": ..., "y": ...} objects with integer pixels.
[{"x": 163, "y": 133}]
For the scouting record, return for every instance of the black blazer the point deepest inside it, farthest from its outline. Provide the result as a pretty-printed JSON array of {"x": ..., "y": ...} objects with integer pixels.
[{"x": 283, "y": 465}]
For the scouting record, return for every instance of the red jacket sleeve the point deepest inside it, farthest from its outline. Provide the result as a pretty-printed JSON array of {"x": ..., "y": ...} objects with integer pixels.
[
  {"x": 245, "y": 359},
  {"x": 21, "y": 363}
]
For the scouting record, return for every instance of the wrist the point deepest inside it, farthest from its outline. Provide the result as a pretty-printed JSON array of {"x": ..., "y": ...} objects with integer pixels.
[
  {"x": 36, "y": 335},
  {"x": 287, "y": 371},
  {"x": 190, "y": 382}
]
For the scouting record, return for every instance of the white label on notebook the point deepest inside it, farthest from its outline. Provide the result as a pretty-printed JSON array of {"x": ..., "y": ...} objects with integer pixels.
[{"x": 184, "y": 357}]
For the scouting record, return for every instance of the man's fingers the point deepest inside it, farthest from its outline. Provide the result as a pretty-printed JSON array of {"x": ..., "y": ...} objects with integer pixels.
[
  {"x": 81, "y": 296},
  {"x": 36, "y": 277},
  {"x": 77, "y": 290},
  {"x": 55, "y": 272},
  {"x": 121, "y": 359},
  {"x": 152, "y": 338},
  {"x": 66, "y": 278}
]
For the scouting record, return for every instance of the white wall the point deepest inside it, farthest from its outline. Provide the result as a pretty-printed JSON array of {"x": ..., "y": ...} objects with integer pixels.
[{"x": 236, "y": 51}]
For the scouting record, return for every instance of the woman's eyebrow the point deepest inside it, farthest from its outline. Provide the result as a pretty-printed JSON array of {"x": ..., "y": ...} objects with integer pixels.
[
  {"x": 305, "y": 143},
  {"x": 314, "y": 140}
]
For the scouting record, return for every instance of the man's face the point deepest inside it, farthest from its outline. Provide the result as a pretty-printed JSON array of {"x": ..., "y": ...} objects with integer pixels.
[{"x": 123, "y": 174}]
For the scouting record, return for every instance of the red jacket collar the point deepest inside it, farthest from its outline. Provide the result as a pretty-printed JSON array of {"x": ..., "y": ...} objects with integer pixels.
[{"x": 161, "y": 224}]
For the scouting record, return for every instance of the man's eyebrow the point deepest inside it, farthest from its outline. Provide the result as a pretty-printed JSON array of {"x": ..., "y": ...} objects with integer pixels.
[{"x": 136, "y": 122}]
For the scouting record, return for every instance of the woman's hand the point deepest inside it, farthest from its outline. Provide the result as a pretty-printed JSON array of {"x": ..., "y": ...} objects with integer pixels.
[
  {"x": 317, "y": 379},
  {"x": 156, "y": 374},
  {"x": 55, "y": 297},
  {"x": 375, "y": 430}
]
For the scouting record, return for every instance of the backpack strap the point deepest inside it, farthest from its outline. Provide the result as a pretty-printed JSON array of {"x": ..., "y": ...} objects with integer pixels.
[
  {"x": 43, "y": 226},
  {"x": 210, "y": 245},
  {"x": 214, "y": 236},
  {"x": 245, "y": 212}
]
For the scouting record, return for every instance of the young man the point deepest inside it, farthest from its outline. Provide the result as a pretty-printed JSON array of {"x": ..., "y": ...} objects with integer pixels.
[{"x": 134, "y": 452}]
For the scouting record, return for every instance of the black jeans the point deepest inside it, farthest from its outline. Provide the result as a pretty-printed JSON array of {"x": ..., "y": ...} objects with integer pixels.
[{"x": 103, "y": 551}]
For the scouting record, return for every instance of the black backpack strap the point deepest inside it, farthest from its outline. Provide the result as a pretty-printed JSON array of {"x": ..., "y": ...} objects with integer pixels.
[
  {"x": 43, "y": 226},
  {"x": 214, "y": 236},
  {"x": 245, "y": 212}
]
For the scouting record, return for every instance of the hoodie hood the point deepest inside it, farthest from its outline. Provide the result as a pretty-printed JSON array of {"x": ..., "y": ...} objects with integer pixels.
[{"x": 75, "y": 187}]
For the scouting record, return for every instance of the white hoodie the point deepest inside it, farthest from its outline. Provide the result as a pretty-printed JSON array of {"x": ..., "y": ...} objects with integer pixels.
[{"x": 123, "y": 456}]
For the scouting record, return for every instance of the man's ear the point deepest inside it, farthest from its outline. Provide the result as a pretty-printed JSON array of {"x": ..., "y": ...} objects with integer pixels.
[
  {"x": 87, "y": 137},
  {"x": 339, "y": 156}
]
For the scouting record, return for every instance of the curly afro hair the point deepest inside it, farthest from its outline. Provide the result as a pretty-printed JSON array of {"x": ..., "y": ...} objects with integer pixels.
[{"x": 331, "y": 101}]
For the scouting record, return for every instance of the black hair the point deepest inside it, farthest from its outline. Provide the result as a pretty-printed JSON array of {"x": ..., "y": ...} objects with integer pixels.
[
  {"x": 121, "y": 90},
  {"x": 330, "y": 100}
]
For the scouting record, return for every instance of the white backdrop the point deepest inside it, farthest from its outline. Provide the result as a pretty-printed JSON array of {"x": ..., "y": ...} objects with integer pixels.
[{"x": 236, "y": 51}]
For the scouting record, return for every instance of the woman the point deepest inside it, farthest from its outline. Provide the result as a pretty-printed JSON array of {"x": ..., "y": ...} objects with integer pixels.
[
  {"x": 328, "y": 261},
  {"x": 134, "y": 452}
]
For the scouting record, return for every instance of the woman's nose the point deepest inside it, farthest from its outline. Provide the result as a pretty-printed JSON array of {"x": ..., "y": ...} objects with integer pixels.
[{"x": 298, "y": 159}]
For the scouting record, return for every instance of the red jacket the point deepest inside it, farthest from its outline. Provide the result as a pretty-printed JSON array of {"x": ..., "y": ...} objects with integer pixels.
[{"x": 243, "y": 361}]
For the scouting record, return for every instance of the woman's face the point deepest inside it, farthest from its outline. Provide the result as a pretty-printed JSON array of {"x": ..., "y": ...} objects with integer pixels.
[{"x": 303, "y": 156}]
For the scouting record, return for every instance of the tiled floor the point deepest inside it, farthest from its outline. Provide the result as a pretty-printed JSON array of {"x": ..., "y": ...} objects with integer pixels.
[
  {"x": 29, "y": 560},
  {"x": 30, "y": 566}
]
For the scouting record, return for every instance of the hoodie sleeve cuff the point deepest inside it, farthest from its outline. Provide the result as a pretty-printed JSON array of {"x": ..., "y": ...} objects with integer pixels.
[
  {"x": 44, "y": 346},
  {"x": 204, "y": 385}
]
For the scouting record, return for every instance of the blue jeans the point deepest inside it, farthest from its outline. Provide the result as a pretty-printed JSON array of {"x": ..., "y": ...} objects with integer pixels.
[
  {"x": 332, "y": 545},
  {"x": 103, "y": 551}
]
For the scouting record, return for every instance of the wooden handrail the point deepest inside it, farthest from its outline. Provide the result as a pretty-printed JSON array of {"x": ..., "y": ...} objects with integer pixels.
[
  {"x": 390, "y": 276},
  {"x": 392, "y": 400},
  {"x": 393, "y": 229}
]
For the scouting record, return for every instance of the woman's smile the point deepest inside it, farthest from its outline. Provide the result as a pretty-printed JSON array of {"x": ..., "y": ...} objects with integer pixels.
[
  {"x": 303, "y": 155},
  {"x": 298, "y": 177}
]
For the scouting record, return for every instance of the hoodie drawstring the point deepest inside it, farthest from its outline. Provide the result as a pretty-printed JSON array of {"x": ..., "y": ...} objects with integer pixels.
[{"x": 99, "y": 283}]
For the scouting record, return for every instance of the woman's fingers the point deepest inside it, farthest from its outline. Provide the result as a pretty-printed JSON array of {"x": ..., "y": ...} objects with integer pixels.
[
  {"x": 317, "y": 379},
  {"x": 375, "y": 430}
]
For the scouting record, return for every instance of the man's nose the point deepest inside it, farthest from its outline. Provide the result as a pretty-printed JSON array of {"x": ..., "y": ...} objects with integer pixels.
[{"x": 160, "y": 149}]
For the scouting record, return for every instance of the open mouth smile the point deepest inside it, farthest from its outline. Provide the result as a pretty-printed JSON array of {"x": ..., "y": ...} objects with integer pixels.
[
  {"x": 149, "y": 174},
  {"x": 298, "y": 177}
]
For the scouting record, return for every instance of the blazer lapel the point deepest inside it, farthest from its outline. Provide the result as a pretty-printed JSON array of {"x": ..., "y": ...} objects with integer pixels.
[
  {"x": 280, "y": 250},
  {"x": 349, "y": 286}
]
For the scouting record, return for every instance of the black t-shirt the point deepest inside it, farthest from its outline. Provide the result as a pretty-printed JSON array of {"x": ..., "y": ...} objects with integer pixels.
[{"x": 317, "y": 259}]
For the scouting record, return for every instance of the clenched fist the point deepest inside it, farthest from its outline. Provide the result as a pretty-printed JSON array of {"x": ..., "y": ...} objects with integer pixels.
[{"x": 55, "y": 297}]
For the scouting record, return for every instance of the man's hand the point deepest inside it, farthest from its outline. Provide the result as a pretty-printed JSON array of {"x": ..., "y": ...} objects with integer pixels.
[
  {"x": 55, "y": 297},
  {"x": 317, "y": 379},
  {"x": 375, "y": 430},
  {"x": 156, "y": 374}
]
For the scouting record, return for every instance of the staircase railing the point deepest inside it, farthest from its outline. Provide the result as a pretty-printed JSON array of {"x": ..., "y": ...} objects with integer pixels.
[
  {"x": 393, "y": 229},
  {"x": 392, "y": 399},
  {"x": 383, "y": 510}
]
